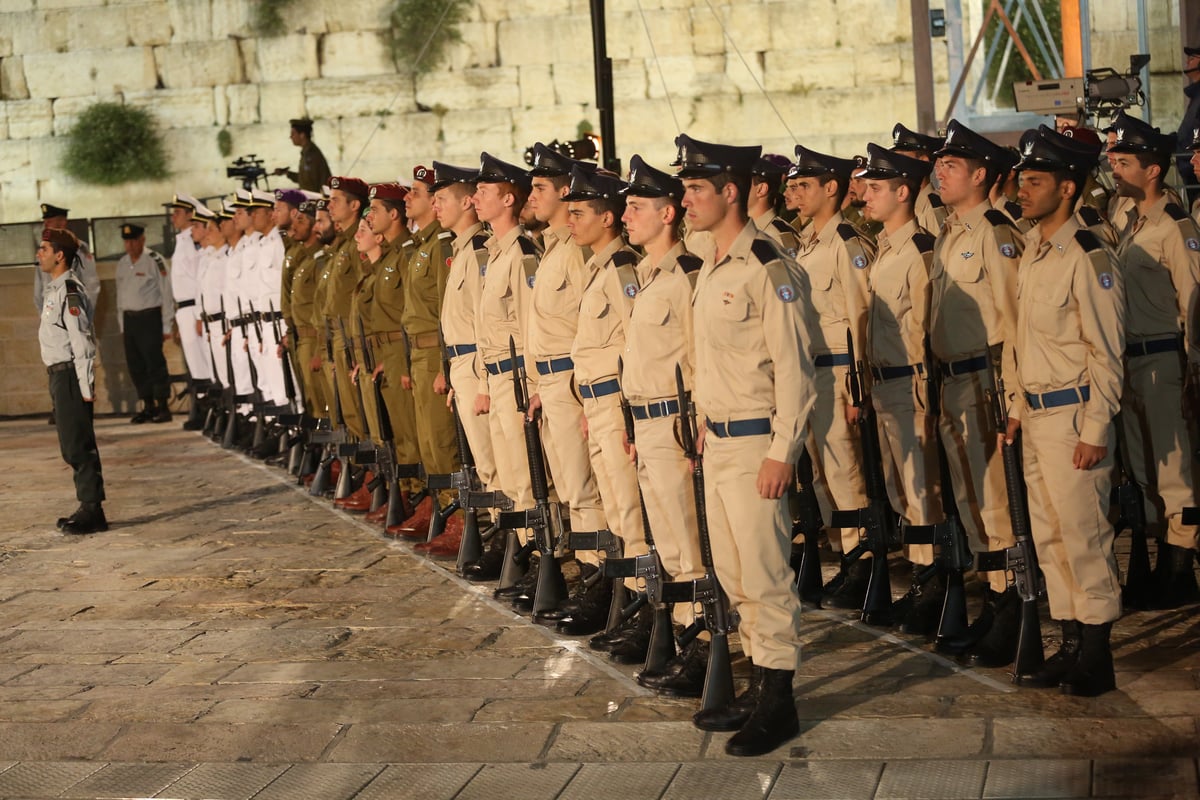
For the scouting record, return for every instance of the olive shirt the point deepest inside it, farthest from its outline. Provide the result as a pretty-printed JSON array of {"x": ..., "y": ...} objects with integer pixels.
[
  {"x": 314, "y": 169},
  {"x": 425, "y": 277},
  {"x": 344, "y": 274}
]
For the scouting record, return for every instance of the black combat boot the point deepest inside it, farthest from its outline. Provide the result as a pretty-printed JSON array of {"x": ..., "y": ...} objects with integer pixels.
[
  {"x": 733, "y": 716},
  {"x": 487, "y": 568},
  {"x": 998, "y": 647},
  {"x": 590, "y": 613},
  {"x": 773, "y": 720},
  {"x": 634, "y": 647},
  {"x": 606, "y": 641},
  {"x": 1056, "y": 666},
  {"x": 920, "y": 609},
  {"x": 571, "y": 603},
  {"x": 683, "y": 675},
  {"x": 957, "y": 645},
  {"x": 195, "y": 417},
  {"x": 1174, "y": 578},
  {"x": 1092, "y": 674},
  {"x": 146, "y": 414},
  {"x": 853, "y": 588},
  {"x": 161, "y": 412},
  {"x": 88, "y": 519},
  {"x": 521, "y": 593}
]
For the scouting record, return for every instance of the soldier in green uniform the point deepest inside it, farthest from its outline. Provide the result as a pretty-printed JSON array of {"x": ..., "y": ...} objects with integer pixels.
[
  {"x": 347, "y": 199},
  {"x": 314, "y": 169}
]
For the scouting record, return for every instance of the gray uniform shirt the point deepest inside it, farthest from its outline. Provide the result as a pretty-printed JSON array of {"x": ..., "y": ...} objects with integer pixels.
[
  {"x": 65, "y": 332},
  {"x": 143, "y": 285}
]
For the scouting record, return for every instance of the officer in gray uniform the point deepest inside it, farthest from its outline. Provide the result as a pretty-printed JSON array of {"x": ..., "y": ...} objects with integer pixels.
[
  {"x": 69, "y": 353},
  {"x": 145, "y": 312}
]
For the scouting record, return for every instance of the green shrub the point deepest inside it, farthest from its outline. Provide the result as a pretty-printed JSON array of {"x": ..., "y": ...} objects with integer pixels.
[
  {"x": 268, "y": 16},
  {"x": 225, "y": 142},
  {"x": 414, "y": 27},
  {"x": 112, "y": 144}
]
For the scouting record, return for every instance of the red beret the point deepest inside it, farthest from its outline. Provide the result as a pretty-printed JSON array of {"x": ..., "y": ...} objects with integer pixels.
[
  {"x": 349, "y": 185},
  {"x": 388, "y": 191},
  {"x": 423, "y": 174}
]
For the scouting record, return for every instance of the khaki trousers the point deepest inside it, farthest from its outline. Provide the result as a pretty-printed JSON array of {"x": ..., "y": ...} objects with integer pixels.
[
  {"x": 976, "y": 466},
  {"x": 1068, "y": 510},
  {"x": 436, "y": 437},
  {"x": 908, "y": 451},
  {"x": 1159, "y": 448},
  {"x": 479, "y": 437},
  {"x": 400, "y": 408},
  {"x": 837, "y": 448},
  {"x": 616, "y": 474},
  {"x": 751, "y": 542},
  {"x": 507, "y": 427},
  {"x": 568, "y": 457}
]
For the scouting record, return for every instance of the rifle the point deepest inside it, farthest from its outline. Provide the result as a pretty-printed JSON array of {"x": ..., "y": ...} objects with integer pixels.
[
  {"x": 1131, "y": 505},
  {"x": 289, "y": 381},
  {"x": 256, "y": 397},
  {"x": 718, "y": 678},
  {"x": 1021, "y": 558},
  {"x": 877, "y": 520},
  {"x": 229, "y": 396},
  {"x": 545, "y": 519},
  {"x": 211, "y": 418},
  {"x": 807, "y": 522},
  {"x": 332, "y": 436}
]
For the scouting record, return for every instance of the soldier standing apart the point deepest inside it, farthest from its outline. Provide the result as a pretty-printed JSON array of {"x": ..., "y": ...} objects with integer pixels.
[
  {"x": 69, "y": 352},
  {"x": 897, "y": 330},
  {"x": 974, "y": 283},
  {"x": 1069, "y": 339},
  {"x": 145, "y": 315},
  {"x": 835, "y": 257},
  {"x": 314, "y": 169},
  {"x": 755, "y": 385},
  {"x": 1159, "y": 252},
  {"x": 185, "y": 288}
]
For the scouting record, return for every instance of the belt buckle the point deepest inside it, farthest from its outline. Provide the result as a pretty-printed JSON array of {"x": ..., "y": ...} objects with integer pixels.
[{"x": 661, "y": 405}]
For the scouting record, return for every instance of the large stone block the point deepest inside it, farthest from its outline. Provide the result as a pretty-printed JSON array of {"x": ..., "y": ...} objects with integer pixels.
[
  {"x": 191, "y": 20},
  {"x": 542, "y": 124},
  {"x": 647, "y": 127},
  {"x": 868, "y": 22},
  {"x": 91, "y": 72},
  {"x": 495, "y": 87},
  {"x": 361, "y": 15},
  {"x": 286, "y": 58},
  {"x": 278, "y": 102},
  {"x": 30, "y": 119},
  {"x": 491, "y": 10},
  {"x": 544, "y": 40},
  {"x": 706, "y": 36},
  {"x": 12, "y": 79},
  {"x": 684, "y": 77},
  {"x": 748, "y": 24},
  {"x": 354, "y": 54},
  {"x": 489, "y": 129},
  {"x": 881, "y": 66},
  {"x": 629, "y": 34},
  {"x": 38, "y": 31},
  {"x": 68, "y": 109},
  {"x": 14, "y": 6},
  {"x": 242, "y": 103},
  {"x": 231, "y": 18},
  {"x": 537, "y": 85},
  {"x": 333, "y": 98},
  {"x": 199, "y": 64},
  {"x": 97, "y": 28},
  {"x": 148, "y": 25},
  {"x": 801, "y": 71},
  {"x": 177, "y": 108},
  {"x": 477, "y": 48},
  {"x": 818, "y": 21},
  {"x": 391, "y": 145},
  {"x": 3, "y": 121}
]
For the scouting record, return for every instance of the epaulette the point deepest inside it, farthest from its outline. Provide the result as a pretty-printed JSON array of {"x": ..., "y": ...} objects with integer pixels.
[
  {"x": 74, "y": 298},
  {"x": 1177, "y": 213},
  {"x": 1187, "y": 225},
  {"x": 529, "y": 258},
  {"x": 72, "y": 287},
  {"x": 625, "y": 262},
  {"x": 1005, "y": 231},
  {"x": 790, "y": 241},
  {"x": 1102, "y": 263},
  {"x": 410, "y": 242},
  {"x": 1013, "y": 208},
  {"x": 766, "y": 251},
  {"x": 479, "y": 245},
  {"x": 925, "y": 242},
  {"x": 689, "y": 263},
  {"x": 940, "y": 212},
  {"x": 444, "y": 235},
  {"x": 1089, "y": 216},
  {"x": 158, "y": 261},
  {"x": 854, "y": 245}
]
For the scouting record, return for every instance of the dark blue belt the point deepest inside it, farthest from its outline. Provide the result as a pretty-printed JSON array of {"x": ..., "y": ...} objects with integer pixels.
[
  {"x": 832, "y": 360},
  {"x": 973, "y": 364},
  {"x": 601, "y": 389},
  {"x": 454, "y": 350},
  {"x": 1059, "y": 397},
  {"x": 663, "y": 408},
  {"x": 554, "y": 365},
  {"x": 888, "y": 373},
  {"x": 1149, "y": 348},
  {"x": 743, "y": 427},
  {"x": 500, "y": 367}
]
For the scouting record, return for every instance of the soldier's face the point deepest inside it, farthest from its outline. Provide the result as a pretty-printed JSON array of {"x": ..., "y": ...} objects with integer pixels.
[
  {"x": 489, "y": 202},
  {"x": 418, "y": 202},
  {"x": 881, "y": 200},
  {"x": 544, "y": 199},
  {"x": 957, "y": 182},
  {"x": 705, "y": 206},
  {"x": 1195, "y": 161},
  {"x": 366, "y": 240},
  {"x": 810, "y": 195},
  {"x": 643, "y": 219},
  {"x": 181, "y": 218},
  {"x": 47, "y": 257},
  {"x": 198, "y": 231},
  {"x": 302, "y": 227},
  {"x": 341, "y": 208},
  {"x": 228, "y": 229},
  {"x": 587, "y": 227},
  {"x": 281, "y": 215},
  {"x": 324, "y": 227},
  {"x": 241, "y": 220},
  {"x": 134, "y": 247},
  {"x": 1132, "y": 178},
  {"x": 790, "y": 201},
  {"x": 213, "y": 235},
  {"x": 449, "y": 204},
  {"x": 1039, "y": 194}
]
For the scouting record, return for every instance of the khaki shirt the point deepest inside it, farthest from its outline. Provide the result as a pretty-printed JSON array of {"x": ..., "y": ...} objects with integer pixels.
[
  {"x": 1160, "y": 264},
  {"x": 899, "y": 315},
  {"x": 753, "y": 353},
  {"x": 930, "y": 214},
  {"x": 603, "y": 316},
  {"x": 462, "y": 289},
  {"x": 554, "y": 306},
  {"x": 974, "y": 283},
  {"x": 345, "y": 270},
  {"x": 388, "y": 311},
  {"x": 778, "y": 229},
  {"x": 505, "y": 296},
  {"x": 1070, "y": 326},
  {"x": 425, "y": 279},
  {"x": 839, "y": 288},
  {"x": 660, "y": 328}
]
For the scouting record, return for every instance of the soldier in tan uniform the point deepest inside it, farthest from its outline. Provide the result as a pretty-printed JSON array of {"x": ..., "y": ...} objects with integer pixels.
[
  {"x": 931, "y": 212},
  {"x": 835, "y": 257},
  {"x": 974, "y": 281},
  {"x": 347, "y": 199},
  {"x": 765, "y": 192},
  {"x": 1069, "y": 340},
  {"x": 755, "y": 387},
  {"x": 304, "y": 266},
  {"x": 660, "y": 333},
  {"x": 1159, "y": 252},
  {"x": 553, "y": 322},
  {"x": 897, "y": 330},
  {"x": 855, "y": 203}
]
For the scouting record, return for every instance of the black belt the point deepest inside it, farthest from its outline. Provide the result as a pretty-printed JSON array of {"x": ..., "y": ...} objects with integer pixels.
[
  {"x": 145, "y": 312},
  {"x": 500, "y": 367},
  {"x": 241, "y": 321},
  {"x": 270, "y": 316},
  {"x": 1057, "y": 398},
  {"x": 217, "y": 317},
  {"x": 973, "y": 364},
  {"x": 184, "y": 303},
  {"x": 663, "y": 408},
  {"x": 555, "y": 365},
  {"x": 454, "y": 350},
  {"x": 888, "y": 373},
  {"x": 61, "y": 366},
  {"x": 592, "y": 391},
  {"x": 742, "y": 427},
  {"x": 832, "y": 360},
  {"x": 1149, "y": 348}
]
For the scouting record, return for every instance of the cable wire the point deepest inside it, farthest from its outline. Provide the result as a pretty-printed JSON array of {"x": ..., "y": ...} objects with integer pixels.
[{"x": 658, "y": 66}]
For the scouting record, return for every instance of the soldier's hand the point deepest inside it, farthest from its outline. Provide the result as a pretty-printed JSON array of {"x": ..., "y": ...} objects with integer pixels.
[
  {"x": 439, "y": 384},
  {"x": 406, "y": 382},
  {"x": 535, "y": 405},
  {"x": 314, "y": 365},
  {"x": 279, "y": 351},
  {"x": 199, "y": 327},
  {"x": 583, "y": 426},
  {"x": 450, "y": 399},
  {"x": 378, "y": 371},
  {"x": 1014, "y": 425},
  {"x": 354, "y": 375},
  {"x": 279, "y": 171},
  {"x": 630, "y": 448},
  {"x": 774, "y": 478},
  {"x": 852, "y": 414},
  {"x": 483, "y": 404},
  {"x": 1088, "y": 455}
]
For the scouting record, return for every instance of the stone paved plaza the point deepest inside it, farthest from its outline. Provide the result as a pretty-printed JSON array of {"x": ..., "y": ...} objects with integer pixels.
[{"x": 231, "y": 637}]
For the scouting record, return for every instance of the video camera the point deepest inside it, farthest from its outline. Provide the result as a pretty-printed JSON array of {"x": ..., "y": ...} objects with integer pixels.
[
  {"x": 585, "y": 149},
  {"x": 247, "y": 169},
  {"x": 1100, "y": 92}
]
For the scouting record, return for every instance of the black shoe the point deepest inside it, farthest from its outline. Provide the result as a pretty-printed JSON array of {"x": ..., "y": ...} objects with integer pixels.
[
  {"x": 162, "y": 414},
  {"x": 604, "y": 642},
  {"x": 88, "y": 519},
  {"x": 773, "y": 720},
  {"x": 1175, "y": 578},
  {"x": 1092, "y": 674},
  {"x": 957, "y": 645},
  {"x": 193, "y": 424},
  {"x": 634, "y": 647},
  {"x": 998, "y": 647},
  {"x": 733, "y": 716},
  {"x": 852, "y": 591},
  {"x": 683, "y": 675},
  {"x": 590, "y": 614},
  {"x": 487, "y": 568},
  {"x": 1058, "y": 665},
  {"x": 920, "y": 610},
  {"x": 145, "y": 415},
  {"x": 520, "y": 594},
  {"x": 571, "y": 603}
]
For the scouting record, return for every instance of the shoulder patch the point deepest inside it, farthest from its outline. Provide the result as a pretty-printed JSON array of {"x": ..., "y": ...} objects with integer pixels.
[
  {"x": 1102, "y": 262},
  {"x": 1187, "y": 226},
  {"x": 925, "y": 243},
  {"x": 689, "y": 263},
  {"x": 782, "y": 279},
  {"x": 445, "y": 235},
  {"x": 1005, "y": 231},
  {"x": 853, "y": 240}
]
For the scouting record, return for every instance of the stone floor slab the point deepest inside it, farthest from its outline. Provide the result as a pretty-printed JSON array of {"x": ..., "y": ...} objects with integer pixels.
[
  {"x": 831, "y": 780},
  {"x": 320, "y": 782},
  {"x": 480, "y": 741},
  {"x": 626, "y": 781},
  {"x": 605, "y": 741},
  {"x": 1037, "y": 778},
  {"x": 528, "y": 781},
  {"x": 419, "y": 781},
  {"x": 44, "y": 778},
  {"x": 730, "y": 781},
  {"x": 126, "y": 780},
  {"x": 931, "y": 780},
  {"x": 1148, "y": 777},
  {"x": 223, "y": 782}
]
